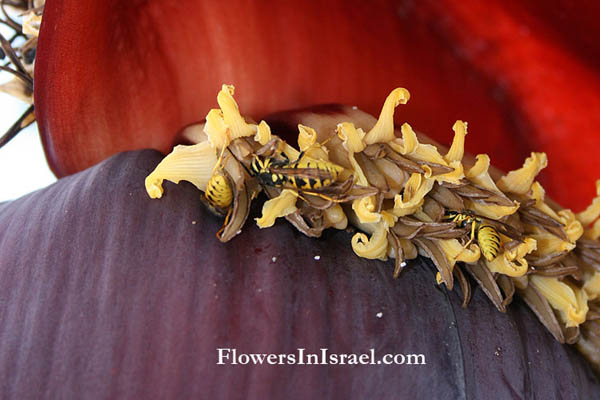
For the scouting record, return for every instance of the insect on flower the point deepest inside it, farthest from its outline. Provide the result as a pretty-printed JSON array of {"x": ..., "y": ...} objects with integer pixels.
[
  {"x": 310, "y": 176},
  {"x": 219, "y": 193},
  {"x": 486, "y": 235}
]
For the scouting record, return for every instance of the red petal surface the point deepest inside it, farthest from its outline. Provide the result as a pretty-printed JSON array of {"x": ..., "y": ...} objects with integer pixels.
[
  {"x": 105, "y": 293},
  {"x": 114, "y": 75}
]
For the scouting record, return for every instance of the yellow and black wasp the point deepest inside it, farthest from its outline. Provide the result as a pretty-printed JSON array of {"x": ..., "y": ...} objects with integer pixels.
[
  {"x": 310, "y": 176},
  {"x": 219, "y": 193},
  {"x": 486, "y": 235}
]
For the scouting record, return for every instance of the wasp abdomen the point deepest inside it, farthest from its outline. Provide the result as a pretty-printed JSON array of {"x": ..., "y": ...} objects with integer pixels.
[
  {"x": 218, "y": 192},
  {"x": 489, "y": 241}
]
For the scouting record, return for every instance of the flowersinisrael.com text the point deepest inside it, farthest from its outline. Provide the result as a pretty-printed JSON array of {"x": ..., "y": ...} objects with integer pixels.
[{"x": 322, "y": 357}]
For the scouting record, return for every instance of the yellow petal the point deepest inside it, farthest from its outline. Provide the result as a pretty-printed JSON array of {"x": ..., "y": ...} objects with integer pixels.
[
  {"x": 383, "y": 131},
  {"x": 570, "y": 302},
  {"x": 548, "y": 243},
  {"x": 479, "y": 174},
  {"x": 454, "y": 176},
  {"x": 592, "y": 286},
  {"x": 573, "y": 227},
  {"x": 307, "y": 141},
  {"x": 279, "y": 206},
  {"x": 361, "y": 178},
  {"x": 365, "y": 210},
  {"x": 593, "y": 232},
  {"x": 263, "y": 133},
  {"x": 414, "y": 193},
  {"x": 307, "y": 137},
  {"x": 375, "y": 247},
  {"x": 513, "y": 263},
  {"x": 409, "y": 145},
  {"x": 456, "y": 252},
  {"x": 388, "y": 219},
  {"x": 188, "y": 163},
  {"x": 216, "y": 129},
  {"x": 231, "y": 114},
  {"x": 352, "y": 138},
  {"x": 538, "y": 193},
  {"x": 520, "y": 180},
  {"x": 592, "y": 212},
  {"x": 457, "y": 150}
]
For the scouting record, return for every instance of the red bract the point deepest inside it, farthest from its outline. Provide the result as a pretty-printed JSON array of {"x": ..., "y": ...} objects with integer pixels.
[{"x": 114, "y": 75}]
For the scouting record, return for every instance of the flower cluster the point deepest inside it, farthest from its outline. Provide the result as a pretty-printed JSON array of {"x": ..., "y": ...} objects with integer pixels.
[{"x": 406, "y": 196}]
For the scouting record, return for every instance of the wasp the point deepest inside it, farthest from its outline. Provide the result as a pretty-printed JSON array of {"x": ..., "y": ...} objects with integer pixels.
[
  {"x": 486, "y": 235},
  {"x": 302, "y": 174},
  {"x": 218, "y": 192}
]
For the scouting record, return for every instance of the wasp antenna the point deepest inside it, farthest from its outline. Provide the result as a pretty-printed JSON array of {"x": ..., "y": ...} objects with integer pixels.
[{"x": 324, "y": 142}]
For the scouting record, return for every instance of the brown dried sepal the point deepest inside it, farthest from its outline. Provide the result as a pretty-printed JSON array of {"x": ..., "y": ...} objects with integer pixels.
[
  {"x": 540, "y": 306},
  {"x": 485, "y": 280}
]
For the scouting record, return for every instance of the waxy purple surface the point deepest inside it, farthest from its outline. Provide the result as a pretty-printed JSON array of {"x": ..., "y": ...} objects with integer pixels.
[{"x": 105, "y": 293}]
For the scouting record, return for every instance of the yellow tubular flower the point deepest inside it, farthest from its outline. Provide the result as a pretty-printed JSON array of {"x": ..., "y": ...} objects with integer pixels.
[
  {"x": 452, "y": 177},
  {"x": 593, "y": 232},
  {"x": 351, "y": 137},
  {"x": 592, "y": 285},
  {"x": 307, "y": 137},
  {"x": 383, "y": 131},
  {"x": 592, "y": 212},
  {"x": 457, "y": 150},
  {"x": 455, "y": 251},
  {"x": 352, "y": 142},
  {"x": 548, "y": 243},
  {"x": 519, "y": 181},
  {"x": 479, "y": 174},
  {"x": 216, "y": 129},
  {"x": 279, "y": 206},
  {"x": 409, "y": 146},
  {"x": 570, "y": 302},
  {"x": 538, "y": 193},
  {"x": 188, "y": 163},
  {"x": 573, "y": 228},
  {"x": 414, "y": 193},
  {"x": 307, "y": 142},
  {"x": 512, "y": 262},
  {"x": 374, "y": 248},
  {"x": 365, "y": 210},
  {"x": 231, "y": 114},
  {"x": 263, "y": 133}
]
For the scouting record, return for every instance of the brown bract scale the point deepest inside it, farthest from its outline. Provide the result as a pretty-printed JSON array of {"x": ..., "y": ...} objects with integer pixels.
[{"x": 406, "y": 196}]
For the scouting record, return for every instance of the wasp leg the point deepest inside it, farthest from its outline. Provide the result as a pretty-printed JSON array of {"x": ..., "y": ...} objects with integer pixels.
[
  {"x": 220, "y": 231},
  {"x": 473, "y": 231},
  {"x": 324, "y": 197}
]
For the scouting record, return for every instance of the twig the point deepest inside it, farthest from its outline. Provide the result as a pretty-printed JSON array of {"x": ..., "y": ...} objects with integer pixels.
[
  {"x": 12, "y": 55},
  {"x": 10, "y": 22},
  {"x": 23, "y": 122},
  {"x": 24, "y": 77}
]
